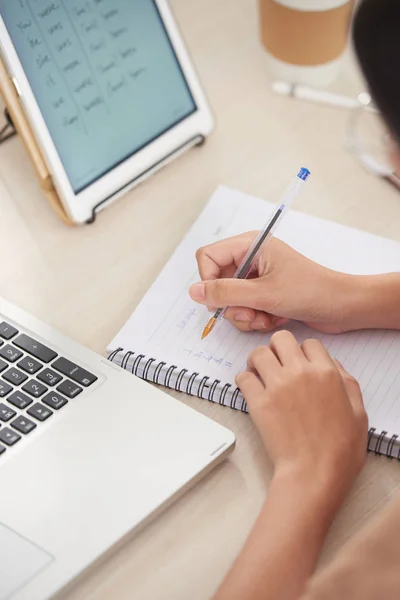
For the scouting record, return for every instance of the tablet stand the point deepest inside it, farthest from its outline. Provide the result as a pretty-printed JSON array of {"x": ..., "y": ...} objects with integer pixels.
[
  {"x": 197, "y": 140},
  {"x": 8, "y": 131}
]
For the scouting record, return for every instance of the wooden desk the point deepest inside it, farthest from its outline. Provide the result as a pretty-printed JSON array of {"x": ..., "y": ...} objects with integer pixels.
[{"x": 86, "y": 282}]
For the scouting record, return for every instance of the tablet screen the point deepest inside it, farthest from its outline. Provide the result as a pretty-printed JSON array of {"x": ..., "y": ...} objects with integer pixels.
[{"x": 104, "y": 74}]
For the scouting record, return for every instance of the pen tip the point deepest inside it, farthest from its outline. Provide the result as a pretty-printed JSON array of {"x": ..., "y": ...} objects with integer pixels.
[{"x": 208, "y": 328}]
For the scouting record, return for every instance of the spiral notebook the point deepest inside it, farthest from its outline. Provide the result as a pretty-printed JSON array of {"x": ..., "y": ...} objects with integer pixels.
[{"x": 161, "y": 342}]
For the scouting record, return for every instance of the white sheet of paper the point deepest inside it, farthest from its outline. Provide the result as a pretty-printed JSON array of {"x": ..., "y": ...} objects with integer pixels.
[{"x": 167, "y": 324}]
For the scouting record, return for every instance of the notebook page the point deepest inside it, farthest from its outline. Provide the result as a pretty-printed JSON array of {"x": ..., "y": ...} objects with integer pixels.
[{"x": 167, "y": 325}]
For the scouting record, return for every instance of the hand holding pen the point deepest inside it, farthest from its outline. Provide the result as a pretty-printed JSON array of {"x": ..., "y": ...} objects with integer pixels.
[{"x": 250, "y": 259}]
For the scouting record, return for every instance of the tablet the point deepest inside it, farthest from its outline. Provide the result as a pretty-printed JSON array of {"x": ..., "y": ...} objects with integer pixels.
[{"x": 109, "y": 91}]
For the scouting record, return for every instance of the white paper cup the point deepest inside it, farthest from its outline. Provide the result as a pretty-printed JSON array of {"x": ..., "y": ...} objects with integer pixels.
[{"x": 305, "y": 39}]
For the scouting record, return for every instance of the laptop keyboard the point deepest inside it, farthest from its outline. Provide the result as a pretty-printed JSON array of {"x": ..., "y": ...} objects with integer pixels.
[{"x": 34, "y": 383}]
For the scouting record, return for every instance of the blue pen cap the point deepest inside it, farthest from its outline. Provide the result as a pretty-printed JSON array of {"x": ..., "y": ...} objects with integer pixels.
[{"x": 303, "y": 174}]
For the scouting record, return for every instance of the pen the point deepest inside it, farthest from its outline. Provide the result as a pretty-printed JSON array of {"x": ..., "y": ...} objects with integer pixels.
[
  {"x": 302, "y": 92},
  {"x": 263, "y": 237}
]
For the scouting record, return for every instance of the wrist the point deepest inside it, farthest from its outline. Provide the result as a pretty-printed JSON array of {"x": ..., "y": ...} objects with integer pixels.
[
  {"x": 341, "y": 299},
  {"x": 372, "y": 301},
  {"x": 317, "y": 497}
]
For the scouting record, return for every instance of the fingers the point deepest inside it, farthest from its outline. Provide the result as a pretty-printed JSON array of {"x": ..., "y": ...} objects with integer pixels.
[
  {"x": 264, "y": 362},
  {"x": 250, "y": 385},
  {"x": 247, "y": 319},
  {"x": 315, "y": 351},
  {"x": 352, "y": 387},
  {"x": 241, "y": 316},
  {"x": 286, "y": 348},
  {"x": 228, "y": 292},
  {"x": 223, "y": 257}
]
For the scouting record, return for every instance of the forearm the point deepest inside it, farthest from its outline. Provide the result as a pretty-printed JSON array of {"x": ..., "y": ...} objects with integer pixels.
[
  {"x": 372, "y": 302},
  {"x": 282, "y": 549}
]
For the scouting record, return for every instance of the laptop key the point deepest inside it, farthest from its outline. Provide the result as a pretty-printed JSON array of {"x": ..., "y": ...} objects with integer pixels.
[
  {"x": 19, "y": 400},
  {"x": 39, "y": 412},
  {"x": 30, "y": 365},
  {"x": 3, "y": 365},
  {"x": 49, "y": 377},
  {"x": 69, "y": 388},
  {"x": 10, "y": 353},
  {"x": 23, "y": 425},
  {"x": 7, "y": 331},
  {"x": 34, "y": 388},
  {"x": 9, "y": 437},
  {"x": 4, "y": 389},
  {"x": 35, "y": 348},
  {"x": 2, "y": 449},
  {"x": 6, "y": 413},
  {"x": 54, "y": 400},
  {"x": 15, "y": 376},
  {"x": 71, "y": 370}
]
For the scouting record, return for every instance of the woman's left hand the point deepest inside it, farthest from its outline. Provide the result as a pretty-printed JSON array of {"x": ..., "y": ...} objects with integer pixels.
[{"x": 309, "y": 413}]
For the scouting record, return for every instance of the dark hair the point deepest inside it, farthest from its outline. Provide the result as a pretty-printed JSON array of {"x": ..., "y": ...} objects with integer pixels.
[{"x": 376, "y": 33}]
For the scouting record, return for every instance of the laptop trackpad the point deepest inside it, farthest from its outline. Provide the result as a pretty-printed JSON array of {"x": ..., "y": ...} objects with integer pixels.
[{"x": 20, "y": 561}]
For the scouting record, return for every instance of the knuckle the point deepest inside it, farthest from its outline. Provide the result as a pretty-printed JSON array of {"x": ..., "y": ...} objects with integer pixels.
[
  {"x": 329, "y": 374},
  {"x": 308, "y": 374},
  {"x": 352, "y": 380},
  {"x": 217, "y": 291},
  {"x": 279, "y": 385},
  {"x": 329, "y": 370},
  {"x": 311, "y": 342},
  {"x": 303, "y": 376},
  {"x": 300, "y": 370}
]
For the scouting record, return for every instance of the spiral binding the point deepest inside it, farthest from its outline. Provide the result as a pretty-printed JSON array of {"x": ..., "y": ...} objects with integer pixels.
[
  {"x": 114, "y": 354},
  {"x": 208, "y": 390},
  {"x": 378, "y": 444},
  {"x": 126, "y": 359},
  {"x": 375, "y": 439},
  {"x": 212, "y": 389},
  {"x": 223, "y": 393},
  {"x": 391, "y": 446},
  {"x": 192, "y": 378},
  {"x": 147, "y": 367},
  {"x": 158, "y": 371},
  {"x": 375, "y": 445},
  {"x": 190, "y": 383},
  {"x": 179, "y": 379}
]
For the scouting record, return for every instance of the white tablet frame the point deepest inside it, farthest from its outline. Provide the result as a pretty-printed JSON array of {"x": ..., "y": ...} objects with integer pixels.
[{"x": 82, "y": 207}]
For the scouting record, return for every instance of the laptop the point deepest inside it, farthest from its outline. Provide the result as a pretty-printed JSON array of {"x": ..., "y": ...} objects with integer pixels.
[{"x": 88, "y": 454}]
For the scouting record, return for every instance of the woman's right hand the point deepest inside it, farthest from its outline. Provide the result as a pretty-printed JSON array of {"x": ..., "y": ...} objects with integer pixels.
[{"x": 285, "y": 285}]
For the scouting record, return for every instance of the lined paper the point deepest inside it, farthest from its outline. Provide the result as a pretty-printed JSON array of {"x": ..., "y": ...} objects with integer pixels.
[{"x": 167, "y": 324}]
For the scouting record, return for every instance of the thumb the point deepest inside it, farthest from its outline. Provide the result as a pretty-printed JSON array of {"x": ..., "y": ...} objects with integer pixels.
[{"x": 228, "y": 292}]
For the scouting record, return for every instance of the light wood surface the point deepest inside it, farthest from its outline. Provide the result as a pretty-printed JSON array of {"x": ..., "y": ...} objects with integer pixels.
[{"x": 87, "y": 281}]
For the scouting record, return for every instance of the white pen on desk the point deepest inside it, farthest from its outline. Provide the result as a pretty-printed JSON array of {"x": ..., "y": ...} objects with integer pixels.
[
  {"x": 302, "y": 92},
  {"x": 263, "y": 237}
]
